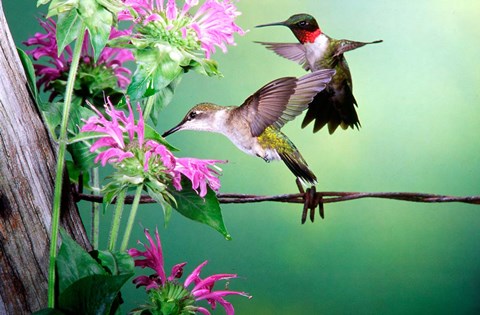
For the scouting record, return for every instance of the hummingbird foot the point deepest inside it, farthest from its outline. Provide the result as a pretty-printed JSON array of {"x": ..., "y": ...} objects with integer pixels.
[{"x": 311, "y": 201}]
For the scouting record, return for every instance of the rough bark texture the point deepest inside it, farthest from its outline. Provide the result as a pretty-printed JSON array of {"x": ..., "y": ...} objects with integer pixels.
[{"x": 27, "y": 172}]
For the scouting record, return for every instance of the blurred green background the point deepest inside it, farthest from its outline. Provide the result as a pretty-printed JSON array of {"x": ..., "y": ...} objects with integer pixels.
[{"x": 419, "y": 105}]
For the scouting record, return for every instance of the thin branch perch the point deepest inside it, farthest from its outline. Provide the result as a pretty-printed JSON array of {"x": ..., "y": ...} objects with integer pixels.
[
  {"x": 311, "y": 199},
  {"x": 327, "y": 197}
]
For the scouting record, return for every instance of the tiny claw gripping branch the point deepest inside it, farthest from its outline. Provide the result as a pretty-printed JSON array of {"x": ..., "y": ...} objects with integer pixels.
[{"x": 311, "y": 201}]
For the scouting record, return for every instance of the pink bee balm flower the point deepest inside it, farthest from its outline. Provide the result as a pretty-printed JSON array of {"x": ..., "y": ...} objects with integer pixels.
[
  {"x": 212, "y": 25},
  {"x": 114, "y": 130},
  {"x": 167, "y": 290},
  {"x": 123, "y": 141},
  {"x": 199, "y": 173},
  {"x": 109, "y": 70}
]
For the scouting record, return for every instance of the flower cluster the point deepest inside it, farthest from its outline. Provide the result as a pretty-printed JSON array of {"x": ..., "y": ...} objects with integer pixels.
[
  {"x": 166, "y": 293},
  {"x": 212, "y": 25},
  {"x": 94, "y": 78},
  {"x": 168, "y": 41},
  {"x": 140, "y": 160}
]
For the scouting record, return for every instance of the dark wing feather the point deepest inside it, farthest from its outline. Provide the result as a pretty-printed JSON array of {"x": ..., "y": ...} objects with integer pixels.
[
  {"x": 282, "y": 100},
  {"x": 307, "y": 87},
  {"x": 264, "y": 107}
]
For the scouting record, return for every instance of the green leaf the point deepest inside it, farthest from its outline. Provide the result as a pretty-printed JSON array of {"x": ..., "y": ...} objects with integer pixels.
[
  {"x": 113, "y": 6},
  {"x": 69, "y": 25},
  {"x": 85, "y": 136},
  {"x": 205, "y": 210},
  {"x": 59, "y": 6},
  {"x": 49, "y": 311},
  {"x": 152, "y": 134},
  {"x": 29, "y": 71},
  {"x": 157, "y": 75},
  {"x": 78, "y": 145},
  {"x": 163, "y": 97},
  {"x": 206, "y": 67},
  {"x": 139, "y": 84},
  {"x": 83, "y": 159},
  {"x": 160, "y": 199},
  {"x": 111, "y": 191},
  {"x": 85, "y": 287},
  {"x": 99, "y": 36},
  {"x": 99, "y": 24},
  {"x": 116, "y": 263},
  {"x": 80, "y": 150},
  {"x": 155, "y": 71},
  {"x": 42, "y": 2},
  {"x": 93, "y": 294},
  {"x": 74, "y": 263},
  {"x": 53, "y": 116},
  {"x": 74, "y": 174}
]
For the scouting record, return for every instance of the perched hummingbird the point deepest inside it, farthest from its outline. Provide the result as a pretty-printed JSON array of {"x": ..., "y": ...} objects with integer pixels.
[
  {"x": 335, "y": 105},
  {"x": 254, "y": 126}
]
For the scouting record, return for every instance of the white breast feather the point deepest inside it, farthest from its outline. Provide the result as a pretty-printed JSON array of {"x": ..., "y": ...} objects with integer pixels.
[{"x": 316, "y": 50}]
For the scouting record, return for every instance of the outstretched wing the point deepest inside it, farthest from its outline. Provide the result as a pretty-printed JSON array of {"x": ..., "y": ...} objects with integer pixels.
[
  {"x": 345, "y": 45},
  {"x": 291, "y": 51},
  {"x": 282, "y": 100}
]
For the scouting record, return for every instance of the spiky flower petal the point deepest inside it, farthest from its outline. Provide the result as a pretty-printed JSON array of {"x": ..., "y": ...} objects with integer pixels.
[
  {"x": 212, "y": 25},
  {"x": 168, "y": 292},
  {"x": 108, "y": 72},
  {"x": 123, "y": 144}
]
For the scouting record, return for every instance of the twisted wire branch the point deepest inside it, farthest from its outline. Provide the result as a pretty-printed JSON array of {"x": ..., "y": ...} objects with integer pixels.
[
  {"x": 327, "y": 197},
  {"x": 311, "y": 199}
]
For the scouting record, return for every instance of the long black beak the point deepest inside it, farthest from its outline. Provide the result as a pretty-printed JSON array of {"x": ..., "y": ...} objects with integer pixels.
[
  {"x": 174, "y": 129},
  {"x": 272, "y": 24}
]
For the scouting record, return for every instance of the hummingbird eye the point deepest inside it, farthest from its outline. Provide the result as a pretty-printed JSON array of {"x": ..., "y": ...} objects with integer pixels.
[
  {"x": 192, "y": 115},
  {"x": 302, "y": 23}
]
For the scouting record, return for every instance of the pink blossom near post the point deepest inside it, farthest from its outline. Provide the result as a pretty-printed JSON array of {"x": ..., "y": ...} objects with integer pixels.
[
  {"x": 202, "y": 289},
  {"x": 57, "y": 66}
]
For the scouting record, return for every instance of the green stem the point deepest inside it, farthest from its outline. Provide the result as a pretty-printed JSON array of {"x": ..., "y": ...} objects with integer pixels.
[
  {"x": 131, "y": 218},
  {"x": 95, "y": 208},
  {"x": 117, "y": 217},
  {"x": 60, "y": 166},
  {"x": 148, "y": 107}
]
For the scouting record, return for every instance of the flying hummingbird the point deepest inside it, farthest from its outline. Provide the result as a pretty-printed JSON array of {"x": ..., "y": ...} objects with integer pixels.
[
  {"x": 254, "y": 126},
  {"x": 335, "y": 105}
]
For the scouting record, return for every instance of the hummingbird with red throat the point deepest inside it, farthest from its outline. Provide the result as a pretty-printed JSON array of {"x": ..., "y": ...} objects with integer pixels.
[
  {"x": 254, "y": 126},
  {"x": 335, "y": 105}
]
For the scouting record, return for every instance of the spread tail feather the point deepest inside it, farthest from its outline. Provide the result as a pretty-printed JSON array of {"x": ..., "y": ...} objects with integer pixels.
[{"x": 334, "y": 109}]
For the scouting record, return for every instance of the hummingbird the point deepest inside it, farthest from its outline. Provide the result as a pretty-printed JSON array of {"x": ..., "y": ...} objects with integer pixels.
[
  {"x": 335, "y": 105},
  {"x": 254, "y": 126}
]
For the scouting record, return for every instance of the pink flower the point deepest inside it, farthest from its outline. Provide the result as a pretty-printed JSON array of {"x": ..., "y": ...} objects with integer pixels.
[
  {"x": 168, "y": 159},
  {"x": 202, "y": 288},
  {"x": 199, "y": 173},
  {"x": 123, "y": 140},
  {"x": 212, "y": 25},
  {"x": 154, "y": 260},
  {"x": 47, "y": 47},
  {"x": 114, "y": 130},
  {"x": 58, "y": 66}
]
